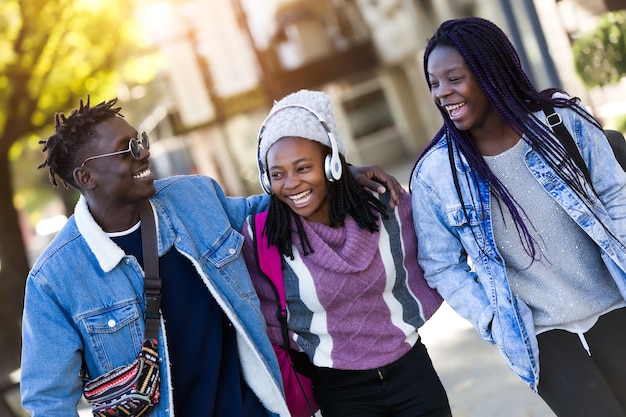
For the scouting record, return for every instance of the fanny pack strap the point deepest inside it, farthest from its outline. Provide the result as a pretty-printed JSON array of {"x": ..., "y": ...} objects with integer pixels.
[{"x": 152, "y": 280}]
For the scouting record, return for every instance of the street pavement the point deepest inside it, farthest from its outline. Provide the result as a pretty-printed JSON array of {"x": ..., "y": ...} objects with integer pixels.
[{"x": 473, "y": 372}]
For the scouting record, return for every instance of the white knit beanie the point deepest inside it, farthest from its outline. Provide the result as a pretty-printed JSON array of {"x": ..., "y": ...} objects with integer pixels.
[{"x": 299, "y": 122}]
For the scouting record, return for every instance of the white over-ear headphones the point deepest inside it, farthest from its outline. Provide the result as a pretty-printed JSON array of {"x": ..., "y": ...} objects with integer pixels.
[{"x": 332, "y": 163}]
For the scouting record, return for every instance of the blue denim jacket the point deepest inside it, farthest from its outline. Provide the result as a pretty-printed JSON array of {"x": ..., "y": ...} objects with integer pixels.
[
  {"x": 481, "y": 293},
  {"x": 84, "y": 294}
]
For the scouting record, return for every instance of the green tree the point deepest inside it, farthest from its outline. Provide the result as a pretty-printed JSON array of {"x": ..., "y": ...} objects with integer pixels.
[
  {"x": 600, "y": 55},
  {"x": 52, "y": 53}
]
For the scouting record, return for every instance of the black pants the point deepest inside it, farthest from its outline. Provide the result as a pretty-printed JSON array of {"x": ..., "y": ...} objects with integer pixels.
[
  {"x": 575, "y": 384},
  {"x": 408, "y": 387}
]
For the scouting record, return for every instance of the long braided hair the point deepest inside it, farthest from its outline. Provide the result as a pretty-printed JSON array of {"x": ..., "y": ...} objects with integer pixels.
[
  {"x": 495, "y": 64},
  {"x": 345, "y": 197},
  {"x": 71, "y": 134}
]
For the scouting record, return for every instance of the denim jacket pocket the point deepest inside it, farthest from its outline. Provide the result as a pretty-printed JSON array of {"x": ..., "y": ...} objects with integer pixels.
[
  {"x": 227, "y": 250},
  {"x": 226, "y": 258},
  {"x": 467, "y": 222},
  {"x": 458, "y": 217},
  {"x": 114, "y": 334}
]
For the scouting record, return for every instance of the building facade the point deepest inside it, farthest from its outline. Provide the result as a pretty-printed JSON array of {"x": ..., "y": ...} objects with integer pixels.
[{"x": 232, "y": 59}]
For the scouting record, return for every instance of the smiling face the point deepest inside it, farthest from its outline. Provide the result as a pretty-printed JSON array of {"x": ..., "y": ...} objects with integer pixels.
[
  {"x": 455, "y": 89},
  {"x": 114, "y": 185},
  {"x": 296, "y": 171}
]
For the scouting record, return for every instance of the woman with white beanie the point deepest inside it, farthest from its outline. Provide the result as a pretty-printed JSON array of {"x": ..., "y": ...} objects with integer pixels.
[{"x": 355, "y": 293}]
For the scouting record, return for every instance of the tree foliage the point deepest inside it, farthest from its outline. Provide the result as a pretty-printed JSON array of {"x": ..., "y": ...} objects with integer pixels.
[
  {"x": 600, "y": 55},
  {"x": 52, "y": 53}
]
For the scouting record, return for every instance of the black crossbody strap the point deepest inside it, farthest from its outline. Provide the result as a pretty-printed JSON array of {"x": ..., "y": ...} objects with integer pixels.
[
  {"x": 556, "y": 124},
  {"x": 152, "y": 281}
]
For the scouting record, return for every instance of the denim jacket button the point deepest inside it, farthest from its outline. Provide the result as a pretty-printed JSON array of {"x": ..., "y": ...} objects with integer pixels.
[
  {"x": 111, "y": 323},
  {"x": 231, "y": 251}
]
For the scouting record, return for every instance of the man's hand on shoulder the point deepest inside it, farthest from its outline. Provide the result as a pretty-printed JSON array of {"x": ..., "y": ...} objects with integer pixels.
[{"x": 376, "y": 179}]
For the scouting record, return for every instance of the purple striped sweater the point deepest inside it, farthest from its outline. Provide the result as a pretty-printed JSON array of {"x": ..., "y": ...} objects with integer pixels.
[{"x": 358, "y": 300}]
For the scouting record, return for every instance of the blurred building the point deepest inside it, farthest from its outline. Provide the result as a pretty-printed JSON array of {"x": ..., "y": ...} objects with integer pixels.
[{"x": 228, "y": 60}]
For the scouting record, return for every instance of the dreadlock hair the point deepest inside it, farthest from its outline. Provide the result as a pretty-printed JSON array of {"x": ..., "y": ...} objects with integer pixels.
[
  {"x": 345, "y": 197},
  {"x": 71, "y": 134},
  {"x": 494, "y": 62}
]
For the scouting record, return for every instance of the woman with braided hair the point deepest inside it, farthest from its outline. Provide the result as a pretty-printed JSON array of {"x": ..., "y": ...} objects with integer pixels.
[
  {"x": 355, "y": 292},
  {"x": 512, "y": 233}
]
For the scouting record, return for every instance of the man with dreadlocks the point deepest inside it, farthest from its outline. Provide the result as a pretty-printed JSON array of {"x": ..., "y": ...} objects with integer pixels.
[
  {"x": 355, "y": 292},
  {"x": 85, "y": 304},
  {"x": 495, "y": 189}
]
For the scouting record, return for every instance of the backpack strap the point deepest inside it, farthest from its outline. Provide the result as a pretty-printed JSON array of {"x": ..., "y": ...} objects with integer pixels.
[
  {"x": 152, "y": 280},
  {"x": 556, "y": 124},
  {"x": 270, "y": 263},
  {"x": 618, "y": 145}
]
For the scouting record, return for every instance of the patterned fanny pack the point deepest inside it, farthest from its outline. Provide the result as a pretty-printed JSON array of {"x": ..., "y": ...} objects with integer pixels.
[
  {"x": 134, "y": 390},
  {"x": 131, "y": 390}
]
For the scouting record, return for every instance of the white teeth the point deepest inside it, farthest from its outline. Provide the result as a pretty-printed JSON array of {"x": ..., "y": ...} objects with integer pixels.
[
  {"x": 299, "y": 195},
  {"x": 454, "y": 106},
  {"x": 143, "y": 174},
  {"x": 301, "y": 198}
]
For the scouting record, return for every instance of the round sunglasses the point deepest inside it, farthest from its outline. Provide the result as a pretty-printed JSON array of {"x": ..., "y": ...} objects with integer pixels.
[{"x": 135, "y": 145}]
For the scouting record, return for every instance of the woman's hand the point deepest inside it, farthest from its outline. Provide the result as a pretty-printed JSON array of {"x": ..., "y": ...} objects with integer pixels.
[{"x": 374, "y": 178}]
